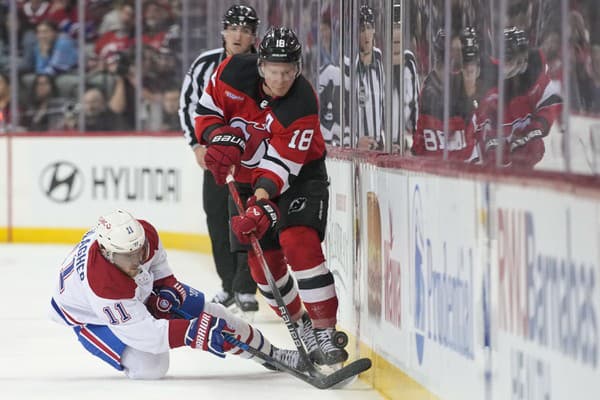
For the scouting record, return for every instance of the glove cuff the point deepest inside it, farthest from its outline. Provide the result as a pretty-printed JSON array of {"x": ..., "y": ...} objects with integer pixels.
[{"x": 270, "y": 210}]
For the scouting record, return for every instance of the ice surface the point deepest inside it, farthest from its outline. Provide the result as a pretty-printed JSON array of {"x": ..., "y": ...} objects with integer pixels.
[{"x": 40, "y": 359}]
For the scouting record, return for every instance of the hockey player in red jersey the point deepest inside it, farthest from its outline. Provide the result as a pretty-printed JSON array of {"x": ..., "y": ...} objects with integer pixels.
[
  {"x": 117, "y": 291},
  {"x": 260, "y": 115},
  {"x": 466, "y": 87},
  {"x": 532, "y": 102}
]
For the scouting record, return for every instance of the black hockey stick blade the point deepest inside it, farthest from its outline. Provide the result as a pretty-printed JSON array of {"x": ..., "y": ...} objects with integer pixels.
[
  {"x": 344, "y": 373},
  {"x": 319, "y": 380}
]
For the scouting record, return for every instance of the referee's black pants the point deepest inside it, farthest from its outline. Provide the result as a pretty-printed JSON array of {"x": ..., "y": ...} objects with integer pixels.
[{"x": 231, "y": 267}]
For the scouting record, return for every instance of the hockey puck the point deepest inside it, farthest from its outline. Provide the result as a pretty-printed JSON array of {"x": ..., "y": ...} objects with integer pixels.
[{"x": 340, "y": 339}]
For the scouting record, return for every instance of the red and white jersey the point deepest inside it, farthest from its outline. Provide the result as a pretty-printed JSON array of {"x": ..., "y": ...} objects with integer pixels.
[
  {"x": 91, "y": 290},
  {"x": 532, "y": 101},
  {"x": 429, "y": 138},
  {"x": 283, "y": 135}
]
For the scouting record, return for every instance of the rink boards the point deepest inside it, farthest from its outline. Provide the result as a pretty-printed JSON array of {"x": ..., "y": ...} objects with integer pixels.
[
  {"x": 61, "y": 183},
  {"x": 459, "y": 285},
  {"x": 467, "y": 288}
]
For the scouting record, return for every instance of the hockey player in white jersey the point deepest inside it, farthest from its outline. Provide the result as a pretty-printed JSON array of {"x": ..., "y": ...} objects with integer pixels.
[{"x": 118, "y": 293}]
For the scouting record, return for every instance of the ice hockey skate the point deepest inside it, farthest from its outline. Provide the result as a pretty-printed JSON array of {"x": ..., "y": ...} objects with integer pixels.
[
  {"x": 246, "y": 306},
  {"x": 224, "y": 298},
  {"x": 319, "y": 344},
  {"x": 290, "y": 358}
]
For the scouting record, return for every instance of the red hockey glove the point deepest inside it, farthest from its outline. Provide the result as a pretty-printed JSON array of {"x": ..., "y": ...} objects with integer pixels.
[
  {"x": 164, "y": 298},
  {"x": 225, "y": 148},
  {"x": 258, "y": 218},
  {"x": 206, "y": 333}
]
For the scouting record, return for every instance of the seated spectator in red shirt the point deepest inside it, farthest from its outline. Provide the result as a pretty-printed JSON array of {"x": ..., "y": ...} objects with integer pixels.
[{"x": 115, "y": 41}]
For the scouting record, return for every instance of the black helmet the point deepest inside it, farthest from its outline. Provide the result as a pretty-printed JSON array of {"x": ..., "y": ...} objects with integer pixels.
[
  {"x": 280, "y": 45},
  {"x": 241, "y": 15},
  {"x": 366, "y": 15},
  {"x": 470, "y": 44},
  {"x": 516, "y": 43}
]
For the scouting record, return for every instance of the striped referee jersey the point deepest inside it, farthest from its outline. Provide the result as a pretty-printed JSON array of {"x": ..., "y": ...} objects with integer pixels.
[
  {"x": 371, "y": 88},
  {"x": 410, "y": 98},
  {"x": 194, "y": 83}
]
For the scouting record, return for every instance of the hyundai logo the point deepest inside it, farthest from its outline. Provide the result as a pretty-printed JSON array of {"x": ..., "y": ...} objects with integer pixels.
[{"x": 61, "y": 182}]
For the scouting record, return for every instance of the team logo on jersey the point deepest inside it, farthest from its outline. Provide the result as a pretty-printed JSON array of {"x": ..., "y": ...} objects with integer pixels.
[
  {"x": 264, "y": 104},
  {"x": 61, "y": 182},
  {"x": 297, "y": 205}
]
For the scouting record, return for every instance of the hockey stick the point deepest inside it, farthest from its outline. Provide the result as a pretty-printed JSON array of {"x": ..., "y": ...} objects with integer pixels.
[
  {"x": 320, "y": 382},
  {"x": 357, "y": 366},
  {"x": 285, "y": 314}
]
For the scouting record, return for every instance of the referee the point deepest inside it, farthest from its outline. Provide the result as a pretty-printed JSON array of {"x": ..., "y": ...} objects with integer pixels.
[
  {"x": 369, "y": 68},
  {"x": 239, "y": 35}
]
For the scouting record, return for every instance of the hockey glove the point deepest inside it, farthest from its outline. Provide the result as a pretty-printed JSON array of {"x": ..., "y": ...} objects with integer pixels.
[
  {"x": 225, "y": 148},
  {"x": 527, "y": 149},
  {"x": 490, "y": 154},
  {"x": 165, "y": 298},
  {"x": 518, "y": 141},
  {"x": 258, "y": 218},
  {"x": 206, "y": 333}
]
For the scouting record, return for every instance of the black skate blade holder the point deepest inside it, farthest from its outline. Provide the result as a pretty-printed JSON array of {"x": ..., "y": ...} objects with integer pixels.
[{"x": 317, "y": 378}]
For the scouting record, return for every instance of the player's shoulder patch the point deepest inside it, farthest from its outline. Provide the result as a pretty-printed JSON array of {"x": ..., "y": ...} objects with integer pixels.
[
  {"x": 105, "y": 279},
  {"x": 300, "y": 102},
  {"x": 241, "y": 73}
]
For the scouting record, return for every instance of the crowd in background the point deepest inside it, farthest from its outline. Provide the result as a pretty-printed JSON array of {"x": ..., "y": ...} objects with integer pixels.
[
  {"x": 334, "y": 51},
  {"x": 48, "y": 61}
]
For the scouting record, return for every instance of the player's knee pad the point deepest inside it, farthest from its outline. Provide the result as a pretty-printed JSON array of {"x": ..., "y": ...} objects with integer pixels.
[
  {"x": 302, "y": 247},
  {"x": 142, "y": 365}
]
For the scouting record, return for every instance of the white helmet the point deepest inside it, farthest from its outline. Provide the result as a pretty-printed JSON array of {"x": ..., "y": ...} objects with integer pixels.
[{"x": 119, "y": 232}]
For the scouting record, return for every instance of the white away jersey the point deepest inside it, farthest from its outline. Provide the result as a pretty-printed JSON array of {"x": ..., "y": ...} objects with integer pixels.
[{"x": 90, "y": 290}]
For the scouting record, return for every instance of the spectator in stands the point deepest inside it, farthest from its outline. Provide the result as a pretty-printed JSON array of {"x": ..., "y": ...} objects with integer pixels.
[
  {"x": 119, "y": 68},
  {"x": 63, "y": 13},
  {"x": 170, "y": 108},
  {"x": 53, "y": 53},
  {"x": 46, "y": 109},
  {"x": 160, "y": 71},
  {"x": 116, "y": 41},
  {"x": 98, "y": 116},
  {"x": 111, "y": 18},
  {"x": 32, "y": 12},
  {"x": 157, "y": 20}
]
